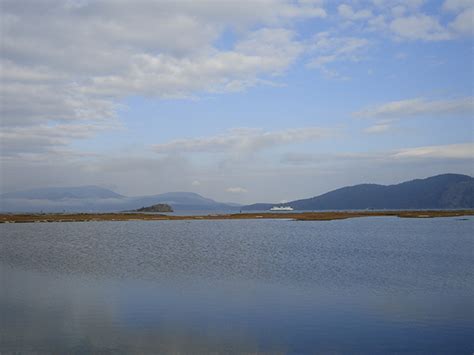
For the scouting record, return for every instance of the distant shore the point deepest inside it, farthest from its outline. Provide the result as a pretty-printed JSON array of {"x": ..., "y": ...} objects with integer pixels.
[{"x": 299, "y": 216}]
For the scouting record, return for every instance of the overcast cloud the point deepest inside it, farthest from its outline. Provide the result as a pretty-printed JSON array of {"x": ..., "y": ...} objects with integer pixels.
[{"x": 112, "y": 92}]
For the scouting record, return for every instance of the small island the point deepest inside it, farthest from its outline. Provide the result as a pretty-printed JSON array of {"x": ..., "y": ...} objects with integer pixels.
[{"x": 160, "y": 207}]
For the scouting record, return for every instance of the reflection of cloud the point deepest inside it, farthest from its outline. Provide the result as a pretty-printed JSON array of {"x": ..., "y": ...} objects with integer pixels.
[{"x": 160, "y": 295}]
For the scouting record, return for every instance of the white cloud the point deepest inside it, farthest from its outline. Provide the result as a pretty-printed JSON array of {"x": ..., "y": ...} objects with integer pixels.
[
  {"x": 451, "y": 151},
  {"x": 457, "y": 5},
  {"x": 398, "y": 11},
  {"x": 419, "y": 27},
  {"x": 410, "y": 20},
  {"x": 377, "y": 24},
  {"x": 72, "y": 62},
  {"x": 66, "y": 65},
  {"x": 66, "y": 62},
  {"x": 387, "y": 114},
  {"x": 347, "y": 12},
  {"x": 330, "y": 49},
  {"x": 236, "y": 190},
  {"x": 242, "y": 140},
  {"x": 409, "y": 4},
  {"x": 196, "y": 183},
  {"x": 65, "y": 38},
  {"x": 464, "y": 22},
  {"x": 305, "y": 159},
  {"x": 35, "y": 141},
  {"x": 414, "y": 4},
  {"x": 264, "y": 52},
  {"x": 109, "y": 27},
  {"x": 378, "y": 128},
  {"x": 23, "y": 104},
  {"x": 419, "y": 107}
]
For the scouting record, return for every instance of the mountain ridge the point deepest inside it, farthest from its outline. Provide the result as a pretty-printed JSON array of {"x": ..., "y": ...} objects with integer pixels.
[
  {"x": 439, "y": 191},
  {"x": 58, "y": 193},
  {"x": 96, "y": 199},
  {"x": 444, "y": 191}
]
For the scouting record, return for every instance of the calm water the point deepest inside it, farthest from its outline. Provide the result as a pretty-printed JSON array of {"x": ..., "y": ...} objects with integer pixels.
[{"x": 368, "y": 285}]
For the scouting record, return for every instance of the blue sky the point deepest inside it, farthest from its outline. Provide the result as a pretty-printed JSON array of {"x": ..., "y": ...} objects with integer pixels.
[{"x": 245, "y": 101}]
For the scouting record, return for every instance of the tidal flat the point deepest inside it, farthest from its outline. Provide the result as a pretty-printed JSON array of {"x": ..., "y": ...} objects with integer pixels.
[{"x": 299, "y": 216}]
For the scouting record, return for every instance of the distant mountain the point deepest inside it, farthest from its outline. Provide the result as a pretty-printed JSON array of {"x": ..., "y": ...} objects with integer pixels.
[
  {"x": 97, "y": 199},
  {"x": 62, "y": 193},
  {"x": 437, "y": 192}
]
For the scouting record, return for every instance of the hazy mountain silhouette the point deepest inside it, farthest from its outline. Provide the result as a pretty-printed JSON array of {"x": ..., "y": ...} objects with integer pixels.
[
  {"x": 437, "y": 192},
  {"x": 441, "y": 191},
  {"x": 62, "y": 193},
  {"x": 97, "y": 199}
]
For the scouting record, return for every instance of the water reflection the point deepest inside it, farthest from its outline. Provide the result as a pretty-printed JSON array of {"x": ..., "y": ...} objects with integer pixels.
[{"x": 250, "y": 286}]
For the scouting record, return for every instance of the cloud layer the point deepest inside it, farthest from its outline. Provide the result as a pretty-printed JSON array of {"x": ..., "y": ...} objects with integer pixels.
[
  {"x": 73, "y": 59},
  {"x": 243, "y": 140},
  {"x": 420, "y": 107},
  {"x": 68, "y": 68}
]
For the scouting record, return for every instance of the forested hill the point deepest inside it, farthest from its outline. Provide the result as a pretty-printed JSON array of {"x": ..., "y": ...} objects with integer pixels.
[{"x": 438, "y": 192}]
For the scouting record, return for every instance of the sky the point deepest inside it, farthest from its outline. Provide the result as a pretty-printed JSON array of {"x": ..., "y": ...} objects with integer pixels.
[{"x": 240, "y": 101}]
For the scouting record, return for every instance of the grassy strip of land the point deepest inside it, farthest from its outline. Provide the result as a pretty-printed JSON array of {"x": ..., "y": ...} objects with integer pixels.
[{"x": 300, "y": 216}]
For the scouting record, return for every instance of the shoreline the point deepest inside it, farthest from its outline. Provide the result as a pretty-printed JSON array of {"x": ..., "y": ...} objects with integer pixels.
[{"x": 297, "y": 216}]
